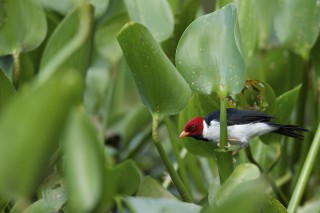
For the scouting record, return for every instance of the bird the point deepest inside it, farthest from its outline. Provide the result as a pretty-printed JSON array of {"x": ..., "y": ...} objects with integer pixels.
[{"x": 242, "y": 126}]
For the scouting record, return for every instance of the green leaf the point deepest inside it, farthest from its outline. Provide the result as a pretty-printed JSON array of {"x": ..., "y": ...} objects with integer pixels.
[
  {"x": 160, "y": 205},
  {"x": 149, "y": 187},
  {"x": 194, "y": 109},
  {"x": 84, "y": 160},
  {"x": 23, "y": 26},
  {"x": 155, "y": 15},
  {"x": 297, "y": 24},
  {"x": 65, "y": 6},
  {"x": 242, "y": 190},
  {"x": 242, "y": 173},
  {"x": 285, "y": 104},
  {"x": 122, "y": 180},
  {"x": 183, "y": 18},
  {"x": 265, "y": 155},
  {"x": 53, "y": 194},
  {"x": 29, "y": 130},
  {"x": 162, "y": 88},
  {"x": 209, "y": 53},
  {"x": 248, "y": 26},
  {"x": 65, "y": 33},
  {"x": 273, "y": 206},
  {"x": 6, "y": 89},
  {"x": 105, "y": 37}
]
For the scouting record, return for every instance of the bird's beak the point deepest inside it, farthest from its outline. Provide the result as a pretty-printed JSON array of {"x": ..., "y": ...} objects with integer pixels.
[{"x": 183, "y": 134}]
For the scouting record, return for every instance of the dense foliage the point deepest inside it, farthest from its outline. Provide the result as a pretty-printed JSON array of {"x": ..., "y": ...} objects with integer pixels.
[{"x": 94, "y": 94}]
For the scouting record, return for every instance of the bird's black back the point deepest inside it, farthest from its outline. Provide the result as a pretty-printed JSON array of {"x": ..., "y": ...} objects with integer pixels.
[{"x": 235, "y": 116}]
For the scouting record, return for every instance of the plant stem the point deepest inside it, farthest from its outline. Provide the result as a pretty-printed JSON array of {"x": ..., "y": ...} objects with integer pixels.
[
  {"x": 16, "y": 69},
  {"x": 185, "y": 196},
  {"x": 181, "y": 166},
  {"x": 224, "y": 157},
  {"x": 305, "y": 173}
]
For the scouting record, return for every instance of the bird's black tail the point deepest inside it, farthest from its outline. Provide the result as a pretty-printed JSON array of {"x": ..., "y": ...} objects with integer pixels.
[{"x": 290, "y": 130}]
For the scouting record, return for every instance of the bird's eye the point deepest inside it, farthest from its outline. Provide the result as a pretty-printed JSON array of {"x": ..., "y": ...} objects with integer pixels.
[{"x": 192, "y": 128}]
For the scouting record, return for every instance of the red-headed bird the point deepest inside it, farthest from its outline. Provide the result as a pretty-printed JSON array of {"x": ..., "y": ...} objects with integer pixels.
[{"x": 242, "y": 126}]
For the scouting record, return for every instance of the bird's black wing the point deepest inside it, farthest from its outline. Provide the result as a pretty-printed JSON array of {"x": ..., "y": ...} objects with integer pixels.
[{"x": 235, "y": 116}]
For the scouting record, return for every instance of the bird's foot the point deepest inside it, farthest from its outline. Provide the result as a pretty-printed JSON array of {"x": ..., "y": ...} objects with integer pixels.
[{"x": 228, "y": 145}]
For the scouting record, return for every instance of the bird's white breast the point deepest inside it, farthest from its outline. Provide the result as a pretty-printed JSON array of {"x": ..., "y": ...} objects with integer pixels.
[{"x": 242, "y": 132}]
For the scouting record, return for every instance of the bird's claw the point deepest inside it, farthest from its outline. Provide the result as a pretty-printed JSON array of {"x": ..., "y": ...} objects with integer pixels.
[{"x": 226, "y": 147}]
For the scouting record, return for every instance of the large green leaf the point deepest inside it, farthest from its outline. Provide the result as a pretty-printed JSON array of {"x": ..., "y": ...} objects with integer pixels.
[
  {"x": 84, "y": 163},
  {"x": 160, "y": 205},
  {"x": 241, "y": 174},
  {"x": 105, "y": 37},
  {"x": 155, "y": 15},
  {"x": 122, "y": 180},
  {"x": 162, "y": 88},
  {"x": 65, "y": 33},
  {"x": 23, "y": 26},
  {"x": 65, "y": 6},
  {"x": 6, "y": 89},
  {"x": 149, "y": 187},
  {"x": 297, "y": 24},
  {"x": 209, "y": 53},
  {"x": 29, "y": 130}
]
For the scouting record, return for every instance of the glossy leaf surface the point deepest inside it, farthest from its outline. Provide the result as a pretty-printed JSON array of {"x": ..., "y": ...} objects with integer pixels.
[
  {"x": 161, "y": 87},
  {"x": 20, "y": 19},
  {"x": 155, "y": 15},
  {"x": 209, "y": 53}
]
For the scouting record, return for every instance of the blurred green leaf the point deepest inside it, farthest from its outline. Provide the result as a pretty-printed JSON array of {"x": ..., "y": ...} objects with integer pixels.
[
  {"x": 149, "y": 187},
  {"x": 183, "y": 18},
  {"x": 84, "y": 163},
  {"x": 6, "y": 89},
  {"x": 297, "y": 24},
  {"x": 62, "y": 35},
  {"x": 65, "y": 6},
  {"x": 194, "y": 109},
  {"x": 20, "y": 21},
  {"x": 160, "y": 205},
  {"x": 29, "y": 130},
  {"x": 265, "y": 17},
  {"x": 105, "y": 37},
  {"x": 123, "y": 180},
  {"x": 265, "y": 155},
  {"x": 248, "y": 26},
  {"x": 273, "y": 206},
  {"x": 53, "y": 195},
  {"x": 155, "y": 15},
  {"x": 242, "y": 173},
  {"x": 285, "y": 104},
  {"x": 162, "y": 88},
  {"x": 209, "y": 53},
  {"x": 311, "y": 206}
]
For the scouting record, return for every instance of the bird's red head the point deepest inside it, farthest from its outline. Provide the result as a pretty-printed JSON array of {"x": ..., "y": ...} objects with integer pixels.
[{"x": 193, "y": 128}]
